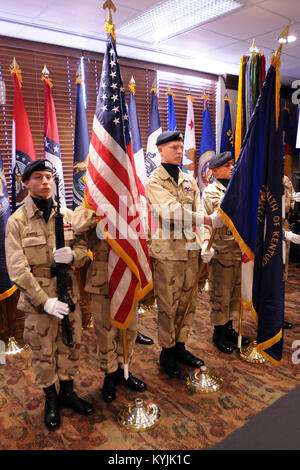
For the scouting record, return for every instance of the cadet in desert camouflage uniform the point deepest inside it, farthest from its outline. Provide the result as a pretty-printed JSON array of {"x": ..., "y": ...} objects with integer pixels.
[
  {"x": 225, "y": 267},
  {"x": 174, "y": 199},
  {"x": 109, "y": 337},
  {"x": 29, "y": 244},
  {"x": 289, "y": 237}
]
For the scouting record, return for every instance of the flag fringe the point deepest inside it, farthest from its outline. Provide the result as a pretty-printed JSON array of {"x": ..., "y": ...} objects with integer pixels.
[
  {"x": 243, "y": 246},
  {"x": 8, "y": 293}
]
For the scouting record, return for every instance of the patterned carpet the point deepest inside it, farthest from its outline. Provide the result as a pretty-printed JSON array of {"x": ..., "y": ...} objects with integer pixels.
[{"x": 189, "y": 421}]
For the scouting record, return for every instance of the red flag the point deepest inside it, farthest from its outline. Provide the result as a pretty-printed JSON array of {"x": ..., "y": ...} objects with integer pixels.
[
  {"x": 23, "y": 151},
  {"x": 51, "y": 138},
  {"x": 111, "y": 189}
]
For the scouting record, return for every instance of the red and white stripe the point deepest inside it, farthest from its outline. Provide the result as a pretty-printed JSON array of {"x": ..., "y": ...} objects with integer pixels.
[{"x": 110, "y": 176}]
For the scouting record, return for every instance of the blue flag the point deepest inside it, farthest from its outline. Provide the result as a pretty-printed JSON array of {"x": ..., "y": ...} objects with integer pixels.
[
  {"x": 171, "y": 112},
  {"x": 81, "y": 147},
  {"x": 207, "y": 149},
  {"x": 252, "y": 209},
  {"x": 227, "y": 135},
  {"x": 138, "y": 152},
  {"x": 7, "y": 288},
  {"x": 153, "y": 157}
]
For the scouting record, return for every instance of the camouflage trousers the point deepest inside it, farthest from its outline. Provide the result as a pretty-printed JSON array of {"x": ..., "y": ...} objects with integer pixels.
[
  {"x": 110, "y": 338},
  {"x": 51, "y": 359},
  {"x": 224, "y": 290},
  {"x": 173, "y": 282}
]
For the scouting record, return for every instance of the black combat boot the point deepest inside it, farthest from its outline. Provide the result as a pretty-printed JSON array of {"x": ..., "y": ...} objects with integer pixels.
[
  {"x": 52, "y": 416},
  {"x": 168, "y": 362},
  {"x": 109, "y": 387},
  {"x": 182, "y": 355},
  {"x": 69, "y": 399},
  {"x": 132, "y": 382},
  {"x": 220, "y": 340},
  {"x": 232, "y": 336},
  {"x": 142, "y": 339}
]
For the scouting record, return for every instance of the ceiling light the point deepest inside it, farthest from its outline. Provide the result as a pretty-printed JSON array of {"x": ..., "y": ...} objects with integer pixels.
[
  {"x": 173, "y": 17},
  {"x": 290, "y": 38}
]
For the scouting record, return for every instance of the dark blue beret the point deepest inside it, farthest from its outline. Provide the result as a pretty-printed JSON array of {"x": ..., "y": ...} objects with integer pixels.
[
  {"x": 169, "y": 136},
  {"x": 219, "y": 159},
  {"x": 37, "y": 165}
]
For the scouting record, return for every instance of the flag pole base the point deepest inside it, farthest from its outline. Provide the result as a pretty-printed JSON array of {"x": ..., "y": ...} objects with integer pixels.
[
  {"x": 91, "y": 322},
  {"x": 251, "y": 354},
  {"x": 137, "y": 416},
  {"x": 13, "y": 347},
  {"x": 203, "y": 381}
]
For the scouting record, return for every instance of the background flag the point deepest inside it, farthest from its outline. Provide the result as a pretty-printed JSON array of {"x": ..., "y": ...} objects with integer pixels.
[
  {"x": 51, "y": 138},
  {"x": 207, "y": 148},
  {"x": 153, "y": 157},
  {"x": 138, "y": 152},
  {"x": 81, "y": 146},
  {"x": 189, "y": 145},
  {"x": 227, "y": 135},
  {"x": 23, "y": 151},
  {"x": 7, "y": 288},
  {"x": 111, "y": 189},
  {"x": 252, "y": 209},
  {"x": 251, "y": 78},
  {"x": 171, "y": 111}
]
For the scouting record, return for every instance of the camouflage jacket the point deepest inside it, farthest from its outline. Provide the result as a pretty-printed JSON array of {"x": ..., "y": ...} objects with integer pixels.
[
  {"x": 84, "y": 222},
  {"x": 288, "y": 200},
  {"x": 29, "y": 243},
  {"x": 224, "y": 243},
  {"x": 175, "y": 207}
]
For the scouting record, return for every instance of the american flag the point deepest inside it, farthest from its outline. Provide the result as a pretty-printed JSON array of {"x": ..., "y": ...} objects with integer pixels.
[{"x": 111, "y": 190}]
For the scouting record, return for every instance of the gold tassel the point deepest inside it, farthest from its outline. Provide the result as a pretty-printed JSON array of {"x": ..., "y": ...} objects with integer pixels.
[
  {"x": 47, "y": 80},
  {"x": 110, "y": 29}
]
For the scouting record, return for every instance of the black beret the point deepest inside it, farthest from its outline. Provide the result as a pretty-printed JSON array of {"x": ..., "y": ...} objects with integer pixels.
[
  {"x": 169, "y": 136},
  {"x": 219, "y": 159},
  {"x": 37, "y": 165}
]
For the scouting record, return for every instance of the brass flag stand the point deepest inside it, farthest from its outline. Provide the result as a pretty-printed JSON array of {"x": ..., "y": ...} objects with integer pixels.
[{"x": 201, "y": 380}]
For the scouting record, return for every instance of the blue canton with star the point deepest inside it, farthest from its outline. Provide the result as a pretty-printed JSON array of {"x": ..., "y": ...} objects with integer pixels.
[
  {"x": 111, "y": 107},
  {"x": 52, "y": 147}
]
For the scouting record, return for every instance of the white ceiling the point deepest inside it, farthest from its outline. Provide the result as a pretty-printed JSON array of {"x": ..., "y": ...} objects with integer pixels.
[{"x": 214, "y": 47}]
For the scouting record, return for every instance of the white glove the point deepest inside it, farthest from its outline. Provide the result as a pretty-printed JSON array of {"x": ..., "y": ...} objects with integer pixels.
[
  {"x": 63, "y": 255},
  {"x": 207, "y": 255},
  {"x": 292, "y": 237},
  {"x": 296, "y": 197},
  {"x": 215, "y": 220},
  {"x": 55, "y": 307}
]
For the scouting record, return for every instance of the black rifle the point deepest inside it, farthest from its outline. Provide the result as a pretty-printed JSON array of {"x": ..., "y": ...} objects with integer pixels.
[{"x": 64, "y": 280}]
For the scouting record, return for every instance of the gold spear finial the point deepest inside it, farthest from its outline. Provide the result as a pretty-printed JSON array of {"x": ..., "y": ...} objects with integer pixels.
[
  {"x": 79, "y": 78},
  {"x": 78, "y": 73},
  {"x": 14, "y": 64},
  {"x": 131, "y": 85},
  {"x": 253, "y": 49},
  {"x": 110, "y": 5},
  {"x": 282, "y": 38},
  {"x": 45, "y": 71},
  {"x": 46, "y": 76},
  {"x": 15, "y": 70}
]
